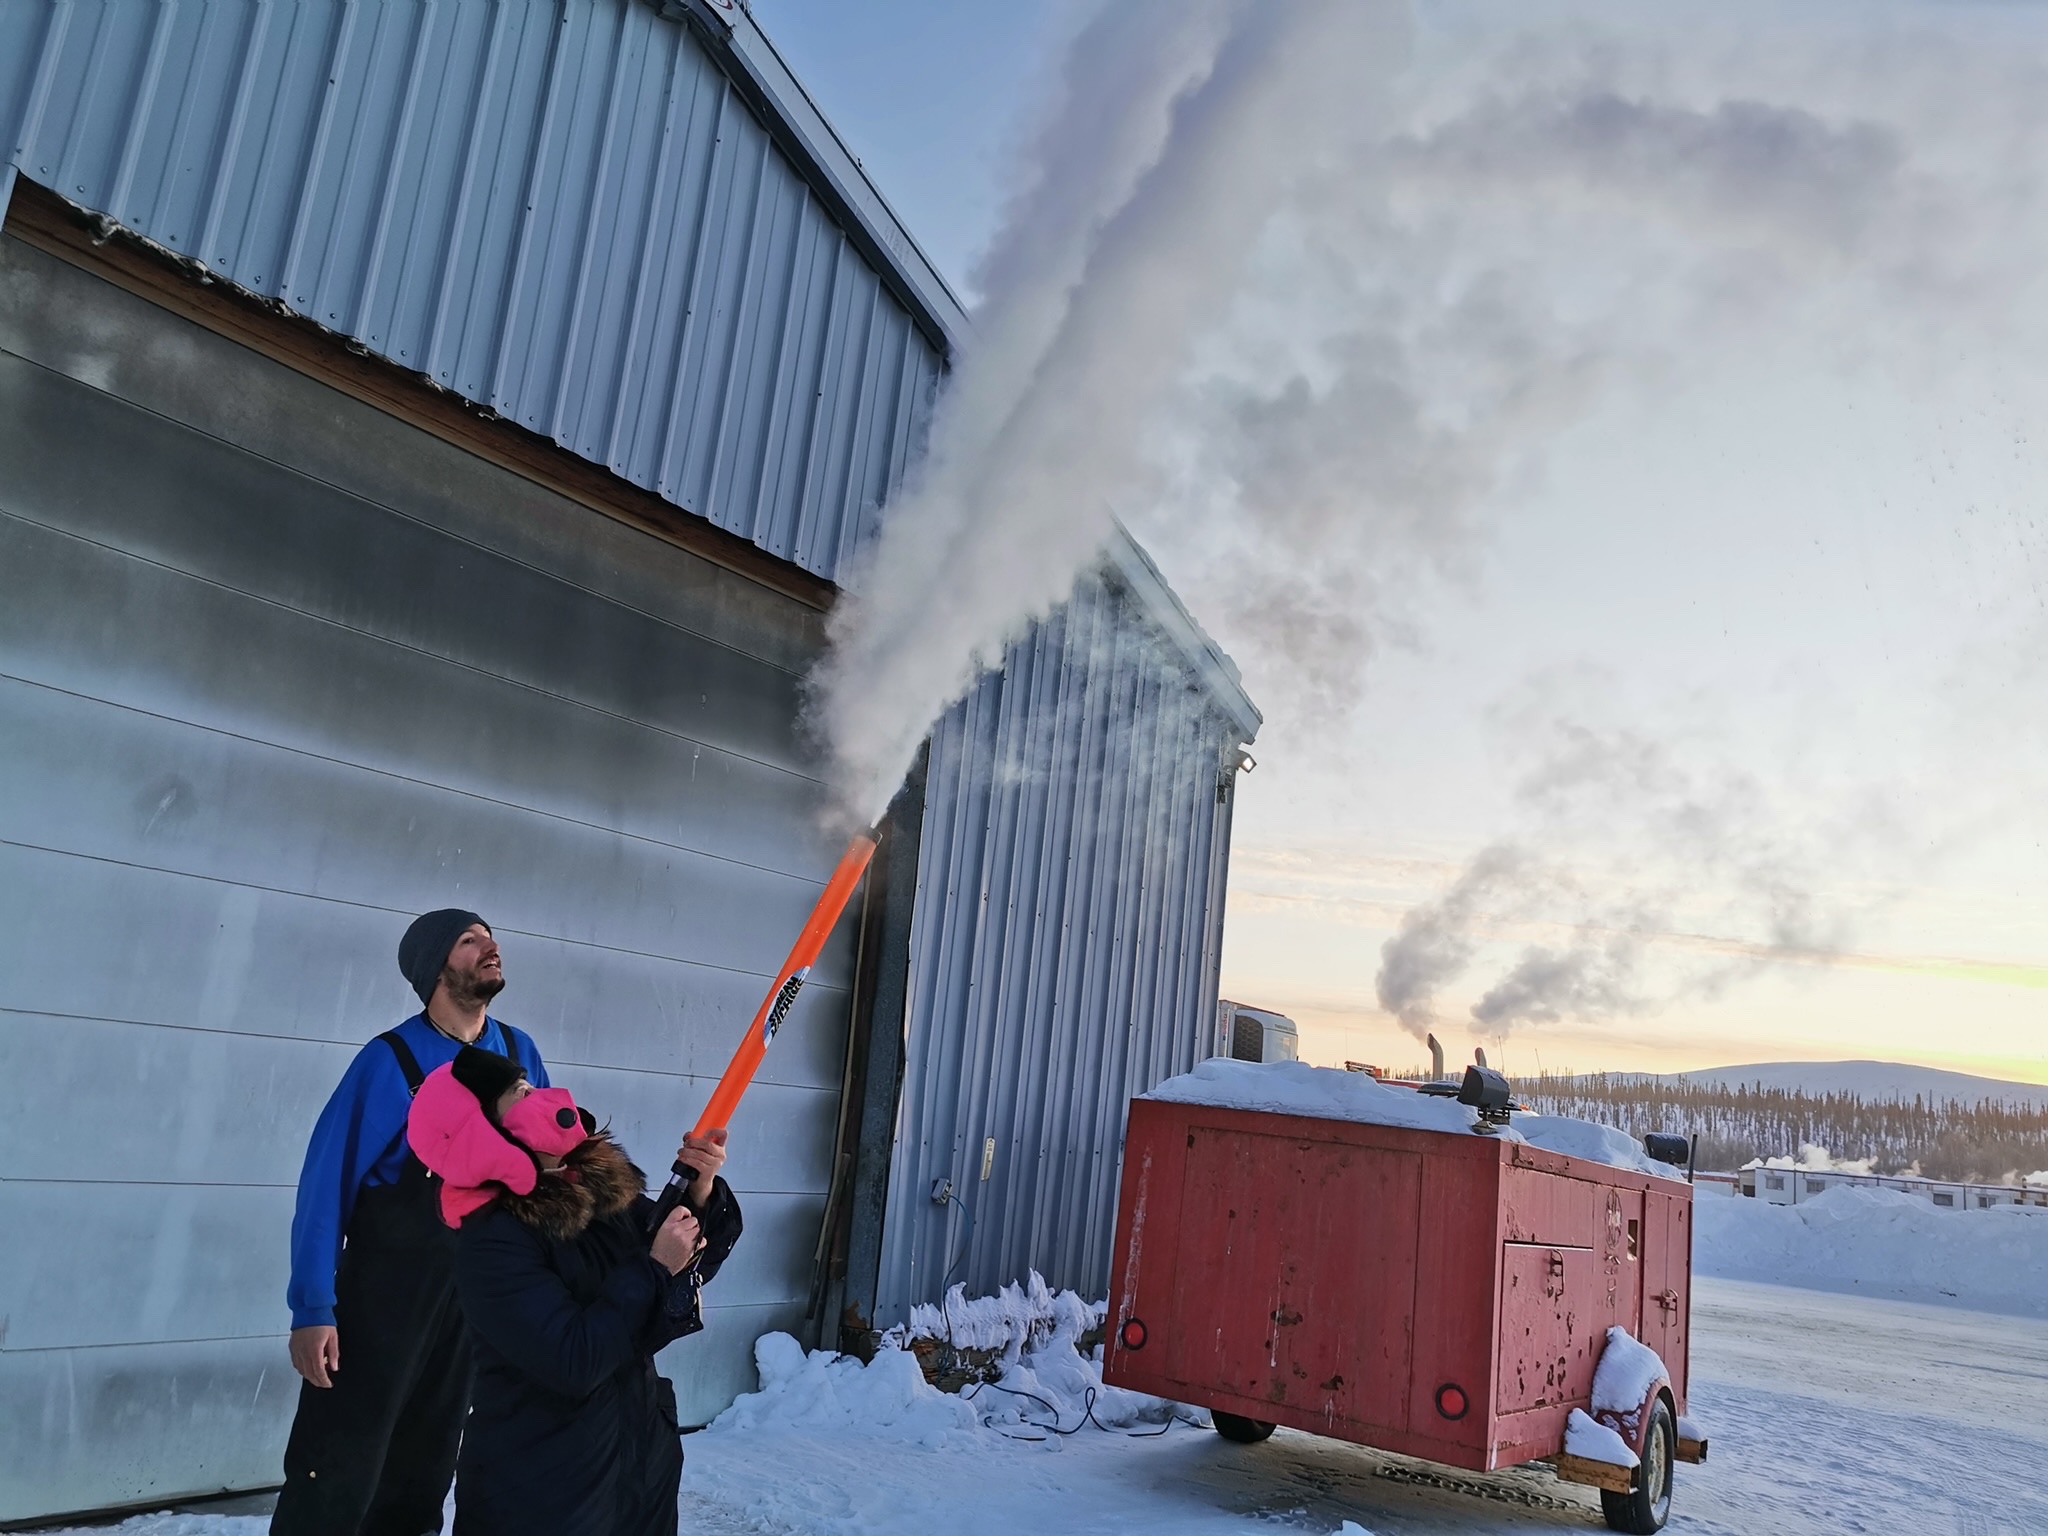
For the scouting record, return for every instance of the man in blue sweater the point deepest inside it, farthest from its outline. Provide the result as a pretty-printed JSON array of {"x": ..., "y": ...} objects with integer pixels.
[{"x": 372, "y": 1449}]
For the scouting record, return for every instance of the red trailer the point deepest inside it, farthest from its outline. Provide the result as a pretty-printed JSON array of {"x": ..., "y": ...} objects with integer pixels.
[{"x": 1437, "y": 1294}]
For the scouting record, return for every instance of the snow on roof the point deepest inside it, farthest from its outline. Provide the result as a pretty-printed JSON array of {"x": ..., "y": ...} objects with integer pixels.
[{"x": 1324, "y": 1093}]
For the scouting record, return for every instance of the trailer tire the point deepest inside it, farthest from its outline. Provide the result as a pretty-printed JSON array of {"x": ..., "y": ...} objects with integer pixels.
[
  {"x": 1645, "y": 1507},
  {"x": 1244, "y": 1431}
]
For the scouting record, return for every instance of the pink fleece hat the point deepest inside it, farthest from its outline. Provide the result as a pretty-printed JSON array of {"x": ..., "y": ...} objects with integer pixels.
[{"x": 450, "y": 1133}]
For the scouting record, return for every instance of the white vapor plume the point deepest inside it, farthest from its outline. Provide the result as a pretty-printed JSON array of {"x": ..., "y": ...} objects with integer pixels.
[
  {"x": 1183, "y": 128},
  {"x": 1306, "y": 306},
  {"x": 1437, "y": 941},
  {"x": 1692, "y": 850}
]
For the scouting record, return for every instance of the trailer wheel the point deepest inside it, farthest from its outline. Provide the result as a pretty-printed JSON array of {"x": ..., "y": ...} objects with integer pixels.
[
  {"x": 1244, "y": 1431},
  {"x": 1645, "y": 1507}
]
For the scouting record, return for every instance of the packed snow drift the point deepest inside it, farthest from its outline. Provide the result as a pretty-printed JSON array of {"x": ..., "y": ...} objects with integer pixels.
[
  {"x": 1324, "y": 1093},
  {"x": 1880, "y": 1242}
]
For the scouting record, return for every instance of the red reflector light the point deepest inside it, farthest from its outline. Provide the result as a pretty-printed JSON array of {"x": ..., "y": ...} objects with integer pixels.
[
  {"x": 1132, "y": 1334},
  {"x": 1451, "y": 1401}
]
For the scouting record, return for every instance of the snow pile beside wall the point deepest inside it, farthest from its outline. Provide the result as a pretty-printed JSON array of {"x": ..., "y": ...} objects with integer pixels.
[
  {"x": 1047, "y": 1390},
  {"x": 1880, "y": 1242},
  {"x": 1022, "y": 1315},
  {"x": 1323, "y": 1093},
  {"x": 833, "y": 1393}
]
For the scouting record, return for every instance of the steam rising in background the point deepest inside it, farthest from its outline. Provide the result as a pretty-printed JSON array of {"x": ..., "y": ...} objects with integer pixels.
[{"x": 1313, "y": 296}]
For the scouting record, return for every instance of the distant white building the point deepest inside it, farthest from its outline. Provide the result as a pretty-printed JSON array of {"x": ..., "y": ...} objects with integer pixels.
[
  {"x": 1255, "y": 1034},
  {"x": 1785, "y": 1184}
]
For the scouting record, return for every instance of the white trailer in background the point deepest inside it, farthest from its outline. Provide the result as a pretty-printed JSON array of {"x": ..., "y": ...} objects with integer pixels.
[
  {"x": 1255, "y": 1034},
  {"x": 1786, "y": 1184}
]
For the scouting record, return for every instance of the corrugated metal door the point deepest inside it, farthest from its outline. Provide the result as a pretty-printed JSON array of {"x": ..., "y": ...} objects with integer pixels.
[
  {"x": 1667, "y": 1283},
  {"x": 276, "y": 672},
  {"x": 1063, "y": 954}
]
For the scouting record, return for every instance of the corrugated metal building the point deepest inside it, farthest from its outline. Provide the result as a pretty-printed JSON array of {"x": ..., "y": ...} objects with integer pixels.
[{"x": 432, "y": 434}]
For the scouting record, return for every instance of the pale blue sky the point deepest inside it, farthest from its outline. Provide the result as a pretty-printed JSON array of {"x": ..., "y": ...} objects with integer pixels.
[{"x": 927, "y": 93}]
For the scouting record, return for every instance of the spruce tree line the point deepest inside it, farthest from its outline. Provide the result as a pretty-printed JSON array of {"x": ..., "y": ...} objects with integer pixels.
[{"x": 1982, "y": 1142}]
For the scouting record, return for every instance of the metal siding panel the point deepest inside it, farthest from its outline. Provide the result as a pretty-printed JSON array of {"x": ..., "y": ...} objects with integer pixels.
[
  {"x": 1080, "y": 1123},
  {"x": 809, "y": 515},
  {"x": 709, "y": 190},
  {"x": 291, "y": 98},
  {"x": 677, "y": 232},
  {"x": 779, "y": 222},
  {"x": 246, "y": 711},
  {"x": 718, "y": 303},
  {"x": 532, "y": 330},
  {"x": 814, "y": 263},
  {"x": 1061, "y": 950},
  {"x": 849, "y": 492},
  {"x": 349, "y": 290},
  {"x": 31, "y": 44},
  {"x": 449, "y": 208},
  {"x": 194, "y": 941},
  {"x": 205, "y": 1416},
  {"x": 583, "y": 401}
]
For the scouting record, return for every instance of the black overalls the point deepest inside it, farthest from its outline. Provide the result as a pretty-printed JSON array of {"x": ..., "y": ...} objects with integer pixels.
[{"x": 374, "y": 1454}]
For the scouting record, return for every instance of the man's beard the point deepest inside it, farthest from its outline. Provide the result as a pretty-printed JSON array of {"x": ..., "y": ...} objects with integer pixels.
[{"x": 468, "y": 988}]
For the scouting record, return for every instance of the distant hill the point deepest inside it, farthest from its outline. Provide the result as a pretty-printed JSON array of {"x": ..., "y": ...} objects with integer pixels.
[
  {"x": 1871, "y": 1080},
  {"x": 1947, "y": 1125}
]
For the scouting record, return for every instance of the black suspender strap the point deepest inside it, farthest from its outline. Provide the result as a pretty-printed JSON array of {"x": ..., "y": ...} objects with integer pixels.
[{"x": 408, "y": 1063}]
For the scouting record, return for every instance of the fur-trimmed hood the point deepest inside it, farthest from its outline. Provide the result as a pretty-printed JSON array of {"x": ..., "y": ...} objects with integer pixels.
[{"x": 596, "y": 1180}]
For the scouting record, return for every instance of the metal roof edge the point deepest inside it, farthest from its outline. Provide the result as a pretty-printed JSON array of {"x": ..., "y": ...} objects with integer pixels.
[
  {"x": 1125, "y": 558},
  {"x": 751, "y": 61}
]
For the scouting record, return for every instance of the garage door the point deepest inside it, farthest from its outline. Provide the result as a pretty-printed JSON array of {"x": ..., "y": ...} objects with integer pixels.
[{"x": 278, "y": 671}]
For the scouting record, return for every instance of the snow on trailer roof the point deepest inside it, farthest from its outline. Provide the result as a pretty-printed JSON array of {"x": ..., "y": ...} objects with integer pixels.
[{"x": 1324, "y": 1093}]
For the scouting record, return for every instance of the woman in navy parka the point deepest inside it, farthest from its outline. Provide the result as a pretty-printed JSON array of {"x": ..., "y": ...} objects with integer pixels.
[{"x": 571, "y": 1431}]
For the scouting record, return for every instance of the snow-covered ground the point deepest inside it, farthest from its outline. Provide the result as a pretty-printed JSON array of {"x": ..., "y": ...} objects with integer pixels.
[
  {"x": 1834, "y": 1407},
  {"x": 1829, "y": 1413}
]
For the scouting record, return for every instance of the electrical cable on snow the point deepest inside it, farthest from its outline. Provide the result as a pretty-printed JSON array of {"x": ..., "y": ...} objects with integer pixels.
[
  {"x": 1088, "y": 1402},
  {"x": 951, "y": 1360}
]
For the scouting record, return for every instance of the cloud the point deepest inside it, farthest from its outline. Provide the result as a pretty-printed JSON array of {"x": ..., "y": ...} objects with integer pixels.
[
  {"x": 1437, "y": 941},
  {"x": 1182, "y": 131}
]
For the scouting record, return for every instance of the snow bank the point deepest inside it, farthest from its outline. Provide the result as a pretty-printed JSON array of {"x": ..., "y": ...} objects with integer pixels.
[
  {"x": 1586, "y": 1436},
  {"x": 823, "y": 1391},
  {"x": 1881, "y": 1242},
  {"x": 1323, "y": 1093},
  {"x": 1044, "y": 1390}
]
